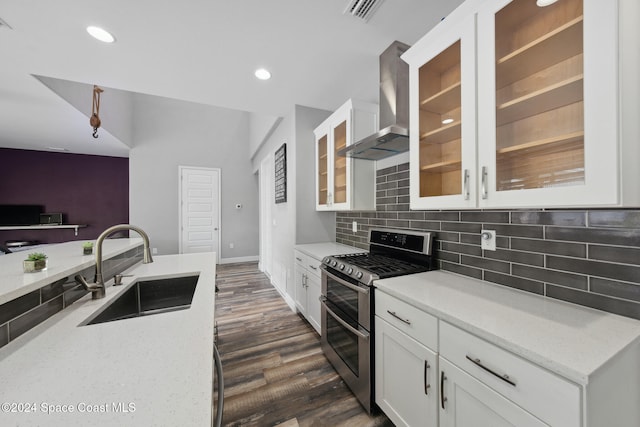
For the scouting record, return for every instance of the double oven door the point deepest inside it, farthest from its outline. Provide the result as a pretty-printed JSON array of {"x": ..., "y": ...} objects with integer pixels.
[{"x": 346, "y": 334}]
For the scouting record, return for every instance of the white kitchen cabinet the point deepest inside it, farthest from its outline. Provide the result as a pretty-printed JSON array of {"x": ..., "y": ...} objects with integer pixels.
[
  {"x": 307, "y": 288},
  {"x": 406, "y": 377},
  {"x": 467, "y": 402},
  {"x": 443, "y": 119},
  {"x": 406, "y": 366},
  {"x": 553, "y": 106},
  {"x": 344, "y": 183}
]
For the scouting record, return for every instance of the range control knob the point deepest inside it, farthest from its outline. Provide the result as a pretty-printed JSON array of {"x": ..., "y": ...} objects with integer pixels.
[
  {"x": 341, "y": 267},
  {"x": 350, "y": 270},
  {"x": 334, "y": 263},
  {"x": 359, "y": 275}
]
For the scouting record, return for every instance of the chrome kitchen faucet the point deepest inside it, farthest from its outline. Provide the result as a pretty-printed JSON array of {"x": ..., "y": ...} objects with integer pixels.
[{"x": 97, "y": 289}]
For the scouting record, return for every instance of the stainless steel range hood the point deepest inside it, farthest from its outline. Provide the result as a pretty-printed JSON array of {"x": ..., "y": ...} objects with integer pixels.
[{"x": 393, "y": 137}]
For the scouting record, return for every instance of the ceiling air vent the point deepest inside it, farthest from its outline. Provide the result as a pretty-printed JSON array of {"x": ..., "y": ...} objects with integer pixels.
[{"x": 362, "y": 9}]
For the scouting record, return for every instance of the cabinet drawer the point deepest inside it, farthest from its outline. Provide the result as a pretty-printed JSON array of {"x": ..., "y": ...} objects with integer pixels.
[
  {"x": 549, "y": 397},
  {"x": 307, "y": 262},
  {"x": 414, "y": 322}
]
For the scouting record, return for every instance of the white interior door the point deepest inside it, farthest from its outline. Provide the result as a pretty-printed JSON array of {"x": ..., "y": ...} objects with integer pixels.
[{"x": 199, "y": 210}]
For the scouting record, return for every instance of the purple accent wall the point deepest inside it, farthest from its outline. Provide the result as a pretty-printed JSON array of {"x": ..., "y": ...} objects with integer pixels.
[{"x": 91, "y": 190}]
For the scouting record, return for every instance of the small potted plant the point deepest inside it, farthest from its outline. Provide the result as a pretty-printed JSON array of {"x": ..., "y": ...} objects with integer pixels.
[
  {"x": 87, "y": 248},
  {"x": 36, "y": 261}
]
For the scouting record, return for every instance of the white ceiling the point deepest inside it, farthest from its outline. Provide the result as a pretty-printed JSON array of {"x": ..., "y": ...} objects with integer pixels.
[{"x": 202, "y": 51}]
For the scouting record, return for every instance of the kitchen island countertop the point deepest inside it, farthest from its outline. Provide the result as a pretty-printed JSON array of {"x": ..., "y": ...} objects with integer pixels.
[
  {"x": 152, "y": 370},
  {"x": 65, "y": 259}
]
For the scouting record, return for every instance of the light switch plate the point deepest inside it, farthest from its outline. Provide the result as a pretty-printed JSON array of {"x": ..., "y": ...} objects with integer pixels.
[{"x": 354, "y": 226}]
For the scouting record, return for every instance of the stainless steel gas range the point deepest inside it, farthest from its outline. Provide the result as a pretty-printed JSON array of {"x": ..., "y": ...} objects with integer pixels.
[{"x": 348, "y": 303}]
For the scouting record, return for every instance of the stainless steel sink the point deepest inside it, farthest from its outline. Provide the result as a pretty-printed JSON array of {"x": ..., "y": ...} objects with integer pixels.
[{"x": 148, "y": 297}]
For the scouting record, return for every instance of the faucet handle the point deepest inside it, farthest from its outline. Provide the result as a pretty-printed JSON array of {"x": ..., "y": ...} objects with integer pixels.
[{"x": 117, "y": 279}]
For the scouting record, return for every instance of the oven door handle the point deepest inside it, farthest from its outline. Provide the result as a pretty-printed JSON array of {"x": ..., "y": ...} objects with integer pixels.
[
  {"x": 347, "y": 284},
  {"x": 351, "y": 329}
]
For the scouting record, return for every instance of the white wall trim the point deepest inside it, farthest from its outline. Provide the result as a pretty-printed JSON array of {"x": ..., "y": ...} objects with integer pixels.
[
  {"x": 238, "y": 259},
  {"x": 290, "y": 302}
]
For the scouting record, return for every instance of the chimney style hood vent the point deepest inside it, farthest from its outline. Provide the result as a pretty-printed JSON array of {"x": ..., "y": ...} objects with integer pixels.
[{"x": 393, "y": 137}]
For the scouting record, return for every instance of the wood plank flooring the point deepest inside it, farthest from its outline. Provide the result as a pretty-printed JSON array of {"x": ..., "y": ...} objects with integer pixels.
[{"x": 274, "y": 370}]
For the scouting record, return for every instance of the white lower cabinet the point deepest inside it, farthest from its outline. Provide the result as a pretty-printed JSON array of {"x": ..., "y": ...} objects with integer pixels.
[
  {"x": 467, "y": 402},
  {"x": 406, "y": 377},
  {"x": 307, "y": 288}
]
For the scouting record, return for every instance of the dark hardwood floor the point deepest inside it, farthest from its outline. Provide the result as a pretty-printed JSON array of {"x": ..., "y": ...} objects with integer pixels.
[{"x": 274, "y": 370}]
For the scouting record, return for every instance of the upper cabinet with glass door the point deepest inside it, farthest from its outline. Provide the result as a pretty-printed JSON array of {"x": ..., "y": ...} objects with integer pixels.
[
  {"x": 344, "y": 183},
  {"x": 556, "y": 106},
  {"x": 548, "y": 103},
  {"x": 443, "y": 126}
]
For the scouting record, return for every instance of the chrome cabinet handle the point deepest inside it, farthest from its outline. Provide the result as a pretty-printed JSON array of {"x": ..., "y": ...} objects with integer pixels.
[
  {"x": 427, "y": 386},
  {"x": 466, "y": 184},
  {"x": 503, "y": 377},
  {"x": 442, "y": 380},
  {"x": 313, "y": 267},
  {"x": 393, "y": 313},
  {"x": 484, "y": 182},
  {"x": 298, "y": 259},
  {"x": 342, "y": 322}
]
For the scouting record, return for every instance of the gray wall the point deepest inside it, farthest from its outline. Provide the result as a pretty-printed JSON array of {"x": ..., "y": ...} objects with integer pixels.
[
  {"x": 169, "y": 133},
  {"x": 295, "y": 221},
  {"x": 585, "y": 256}
]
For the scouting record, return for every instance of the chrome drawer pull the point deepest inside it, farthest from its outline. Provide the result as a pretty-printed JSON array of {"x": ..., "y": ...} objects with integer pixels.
[
  {"x": 298, "y": 259},
  {"x": 504, "y": 377},
  {"x": 426, "y": 381},
  {"x": 393, "y": 313},
  {"x": 442, "y": 380}
]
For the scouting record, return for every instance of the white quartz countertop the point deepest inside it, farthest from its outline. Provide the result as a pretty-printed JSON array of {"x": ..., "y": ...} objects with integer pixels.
[
  {"x": 321, "y": 250},
  {"x": 64, "y": 259},
  {"x": 147, "y": 371},
  {"x": 568, "y": 339}
]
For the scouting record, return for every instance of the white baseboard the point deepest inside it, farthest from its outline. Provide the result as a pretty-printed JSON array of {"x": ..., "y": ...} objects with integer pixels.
[
  {"x": 290, "y": 302},
  {"x": 238, "y": 259}
]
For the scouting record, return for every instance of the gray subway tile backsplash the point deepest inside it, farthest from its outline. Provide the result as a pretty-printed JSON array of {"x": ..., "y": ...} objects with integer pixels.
[
  {"x": 23, "y": 313},
  {"x": 589, "y": 257}
]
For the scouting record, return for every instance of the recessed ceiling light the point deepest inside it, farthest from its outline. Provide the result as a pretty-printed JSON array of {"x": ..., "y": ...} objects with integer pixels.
[
  {"x": 543, "y": 3},
  {"x": 101, "y": 34},
  {"x": 58, "y": 149},
  {"x": 262, "y": 74},
  {"x": 447, "y": 121}
]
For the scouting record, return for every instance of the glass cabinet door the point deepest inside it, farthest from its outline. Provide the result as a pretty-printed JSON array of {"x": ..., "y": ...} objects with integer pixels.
[
  {"x": 539, "y": 96},
  {"x": 440, "y": 151},
  {"x": 339, "y": 164},
  {"x": 323, "y": 171}
]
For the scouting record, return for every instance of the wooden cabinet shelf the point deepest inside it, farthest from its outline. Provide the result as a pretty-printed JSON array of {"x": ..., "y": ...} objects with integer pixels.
[
  {"x": 443, "y": 134},
  {"x": 443, "y": 101},
  {"x": 552, "y": 48},
  {"x": 442, "y": 167},
  {"x": 548, "y": 98},
  {"x": 559, "y": 143}
]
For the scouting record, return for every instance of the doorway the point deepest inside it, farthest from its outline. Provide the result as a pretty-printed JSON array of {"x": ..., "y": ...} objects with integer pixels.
[{"x": 199, "y": 210}]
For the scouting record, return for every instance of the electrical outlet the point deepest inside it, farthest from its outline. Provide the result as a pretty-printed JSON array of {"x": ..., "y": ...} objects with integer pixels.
[
  {"x": 231, "y": 245},
  {"x": 154, "y": 251},
  {"x": 488, "y": 240},
  {"x": 354, "y": 226}
]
